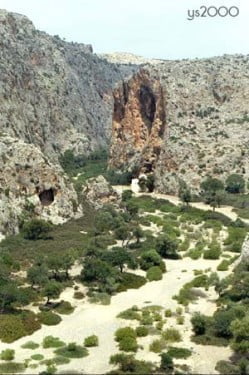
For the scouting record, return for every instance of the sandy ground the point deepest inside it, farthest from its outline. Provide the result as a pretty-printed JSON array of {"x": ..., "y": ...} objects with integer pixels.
[{"x": 88, "y": 319}]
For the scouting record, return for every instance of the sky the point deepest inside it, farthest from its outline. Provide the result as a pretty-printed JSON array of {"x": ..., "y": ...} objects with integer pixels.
[{"x": 150, "y": 28}]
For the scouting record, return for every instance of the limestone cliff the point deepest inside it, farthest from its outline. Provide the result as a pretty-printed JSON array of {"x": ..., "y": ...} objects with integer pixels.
[
  {"x": 30, "y": 186},
  {"x": 53, "y": 94},
  {"x": 139, "y": 123},
  {"x": 200, "y": 126}
]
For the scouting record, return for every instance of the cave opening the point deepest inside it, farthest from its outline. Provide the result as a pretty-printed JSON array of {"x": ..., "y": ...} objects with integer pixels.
[
  {"x": 148, "y": 105},
  {"x": 47, "y": 197}
]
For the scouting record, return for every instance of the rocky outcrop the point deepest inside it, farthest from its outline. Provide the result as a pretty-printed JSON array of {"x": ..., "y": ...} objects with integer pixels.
[
  {"x": 98, "y": 192},
  {"x": 244, "y": 257},
  {"x": 138, "y": 123},
  {"x": 30, "y": 186},
  {"x": 204, "y": 104},
  {"x": 53, "y": 94}
]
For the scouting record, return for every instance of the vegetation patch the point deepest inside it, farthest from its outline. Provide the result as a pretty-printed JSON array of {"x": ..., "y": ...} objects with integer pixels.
[
  {"x": 72, "y": 350},
  {"x": 176, "y": 352},
  {"x": 91, "y": 341},
  {"x": 52, "y": 342},
  {"x": 49, "y": 318}
]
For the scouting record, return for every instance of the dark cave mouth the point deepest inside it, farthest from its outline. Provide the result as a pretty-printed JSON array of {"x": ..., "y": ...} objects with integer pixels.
[{"x": 47, "y": 197}]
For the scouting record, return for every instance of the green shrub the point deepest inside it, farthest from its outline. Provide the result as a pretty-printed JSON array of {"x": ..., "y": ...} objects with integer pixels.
[
  {"x": 154, "y": 274},
  {"x": 37, "y": 357},
  {"x": 36, "y": 229},
  {"x": 130, "y": 314},
  {"x": 142, "y": 331},
  {"x": 60, "y": 360},
  {"x": 194, "y": 253},
  {"x": 128, "y": 364},
  {"x": 13, "y": 327},
  {"x": 167, "y": 363},
  {"x": 100, "y": 298},
  {"x": 125, "y": 332},
  {"x": 199, "y": 324},
  {"x": 149, "y": 259},
  {"x": 12, "y": 368},
  {"x": 213, "y": 252},
  {"x": 49, "y": 318},
  {"x": 52, "y": 342},
  {"x": 224, "y": 265},
  {"x": 130, "y": 281},
  {"x": 168, "y": 313},
  {"x": 171, "y": 335},
  {"x": 226, "y": 368},
  {"x": 126, "y": 338},
  {"x": 78, "y": 295},
  {"x": 128, "y": 344},
  {"x": 91, "y": 341},
  {"x": 30, "y": 345},
  {"x": 180, "y": 320},
  {"x": 179, "y": 352},
  {"x": 7, "y": 355},
  {"x": 64, "y": 308},
  {"x": 72, "y": 351},
  {"x": 157, "y": 346}
]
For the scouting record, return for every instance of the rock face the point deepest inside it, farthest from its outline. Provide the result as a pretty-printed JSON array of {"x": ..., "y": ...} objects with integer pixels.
[
  {"x": 244, "y": 252},
  {"x": 138, "y": 123},
  {"x": 99, "y": 192},
  {"x": 54, "y": 94},
  {"x": 30, "y": 186},
  {"x": 205, "y": 121}
]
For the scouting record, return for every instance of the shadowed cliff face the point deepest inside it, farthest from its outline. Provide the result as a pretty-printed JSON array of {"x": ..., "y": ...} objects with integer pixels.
[{"x": 138, "y": 123}]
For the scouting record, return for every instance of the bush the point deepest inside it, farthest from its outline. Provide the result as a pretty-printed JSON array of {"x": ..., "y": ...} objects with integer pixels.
[
  {"x": 72, "y": 351},
  {"x": 142, "y": 331},
  {"x": 154, "y": 274},
  {"x": 130, "y": 281},
  {"x": 171, "y": 335},
  {"x": 30, "y": 345},
  {"x": 149, "y": 259},
  {"x": 91, "y": 341},
  {"x": 226, "y": 368},
  {"x": 49, "y": 318},
  {"x": 52, "y": 342},
  {"x": 7, "y": 355},
  {"x": 128, "y": 364},
  {"x": 130, "y": 314},
  {"x": 168, "y": 313},
  {"x": 224, "y": 265},
  {"x": 214, "y": 252},
  {"x": 235, "y": 184},
  {"x": 179, "y": 352},
  {"x": 37, "y": 357},
  {"x": 64, "y": 308},
  {"x": 199, "y": 324},
  {"x": 13, "y": 327},
  {"x": 167, "y": 363},
  {"x": 36, "y": 230},
  {"x": 12, "y": 368},
  {"x": 78, "y": 295},
  {"x": 126, "y": 338},
  {"x": 167, "y": 247},
  {"x": 157, "y": 346},
  {"x": 128, "y": 344},
  {"x": 60, "y": 360},
  {"x": 125, "y": 332}
]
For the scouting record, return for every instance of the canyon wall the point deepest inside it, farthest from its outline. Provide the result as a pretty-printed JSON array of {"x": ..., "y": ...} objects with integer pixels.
[{"x": 201, "y": 124}]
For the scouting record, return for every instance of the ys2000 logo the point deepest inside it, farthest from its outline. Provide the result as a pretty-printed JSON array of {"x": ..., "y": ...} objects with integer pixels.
[{"x": 213, "y": 11}]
